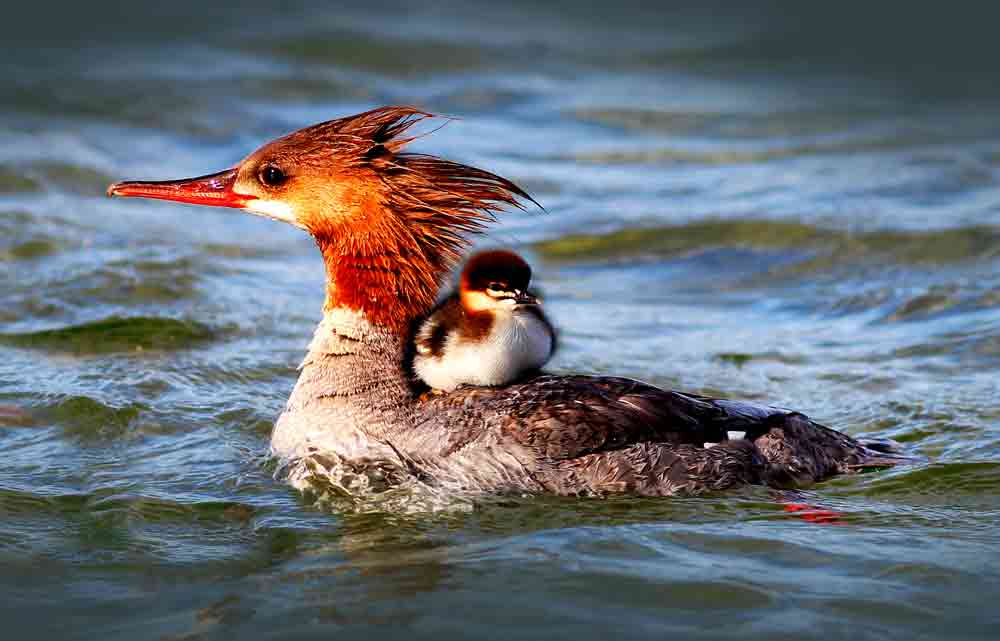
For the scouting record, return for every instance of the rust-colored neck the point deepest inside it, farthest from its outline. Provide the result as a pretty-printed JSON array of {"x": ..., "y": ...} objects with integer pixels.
[{"x": 388, "y": 281}]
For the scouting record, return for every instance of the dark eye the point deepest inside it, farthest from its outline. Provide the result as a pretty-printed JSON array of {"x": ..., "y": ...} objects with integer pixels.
[
  {"x": 272, "y": 176},
  {"x": 495, "y": 286}
]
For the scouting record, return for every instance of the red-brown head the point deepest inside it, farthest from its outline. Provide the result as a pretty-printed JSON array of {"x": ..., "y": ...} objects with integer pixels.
[{"x": 390, "y": 224}]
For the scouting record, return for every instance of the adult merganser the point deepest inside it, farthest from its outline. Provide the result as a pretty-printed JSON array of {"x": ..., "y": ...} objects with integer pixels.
[
  {"x": 390, "y": 224},
  {"x": 489, "y": 332}
]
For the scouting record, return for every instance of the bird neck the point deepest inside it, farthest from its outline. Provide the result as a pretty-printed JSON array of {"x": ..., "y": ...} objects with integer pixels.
[
  {"x": 387, "y": 280},
  {"x": 354, "y": 373}
]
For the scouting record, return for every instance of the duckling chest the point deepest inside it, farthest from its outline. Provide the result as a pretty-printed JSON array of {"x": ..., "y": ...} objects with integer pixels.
[{"x": 515, "y": 344}]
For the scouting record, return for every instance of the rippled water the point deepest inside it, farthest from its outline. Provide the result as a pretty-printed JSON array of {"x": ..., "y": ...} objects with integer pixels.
[{"x": 724, "y": 215}]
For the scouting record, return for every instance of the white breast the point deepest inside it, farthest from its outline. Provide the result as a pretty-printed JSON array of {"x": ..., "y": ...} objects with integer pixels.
[{"x": 517, "y": 342}]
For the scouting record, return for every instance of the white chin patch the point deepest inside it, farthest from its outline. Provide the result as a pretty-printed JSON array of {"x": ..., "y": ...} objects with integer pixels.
[{"x": 273, "y": 209}]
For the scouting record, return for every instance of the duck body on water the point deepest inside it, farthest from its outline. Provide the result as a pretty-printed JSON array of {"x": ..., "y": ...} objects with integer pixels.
[{"x": 390, "y": 226}]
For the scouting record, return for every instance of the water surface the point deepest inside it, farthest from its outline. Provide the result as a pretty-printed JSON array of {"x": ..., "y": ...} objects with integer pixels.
[{"x": 728, "y": 212}]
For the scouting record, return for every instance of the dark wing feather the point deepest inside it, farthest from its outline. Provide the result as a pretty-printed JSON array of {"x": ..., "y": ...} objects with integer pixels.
[
  {"x": 659, "y": 469},
  {"x": 604, "y": 434},
  {"x": 564, "y": 417},
  {"x": 432, "y": 332}
]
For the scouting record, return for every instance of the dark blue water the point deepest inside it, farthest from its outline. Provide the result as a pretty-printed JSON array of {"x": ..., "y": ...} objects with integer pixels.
[{"x": 740, "y": 203}]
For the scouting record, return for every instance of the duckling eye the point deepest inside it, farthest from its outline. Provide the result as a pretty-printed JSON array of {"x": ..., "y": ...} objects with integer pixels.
[{"x": 272, "y": 176}]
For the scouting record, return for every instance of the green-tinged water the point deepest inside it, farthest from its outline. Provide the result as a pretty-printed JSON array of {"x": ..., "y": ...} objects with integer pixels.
[{"x": 727, "y": 212}]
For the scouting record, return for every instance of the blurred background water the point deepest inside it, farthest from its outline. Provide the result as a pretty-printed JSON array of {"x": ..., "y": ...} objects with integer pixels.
[{"x": 797, "y": 206}]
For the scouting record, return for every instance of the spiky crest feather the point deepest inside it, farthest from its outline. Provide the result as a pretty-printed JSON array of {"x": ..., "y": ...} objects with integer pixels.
[{"x": 408, "y": 215}]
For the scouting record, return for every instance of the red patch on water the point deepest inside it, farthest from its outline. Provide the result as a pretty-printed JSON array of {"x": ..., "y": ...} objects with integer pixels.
[{"x": 814, "y": 514}]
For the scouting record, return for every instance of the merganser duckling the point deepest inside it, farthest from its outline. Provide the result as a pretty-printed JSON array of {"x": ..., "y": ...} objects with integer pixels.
[
  {"x": 390, "y": 225},
  {"x": 489, "y": 332}
]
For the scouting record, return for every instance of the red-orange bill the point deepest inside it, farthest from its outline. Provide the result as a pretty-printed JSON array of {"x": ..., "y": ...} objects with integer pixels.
[{"x": 213, "y": 189}]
